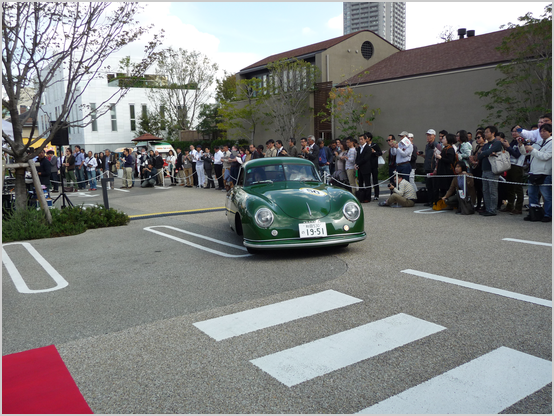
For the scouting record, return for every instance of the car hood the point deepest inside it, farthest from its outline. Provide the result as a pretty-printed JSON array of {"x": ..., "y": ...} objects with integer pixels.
[{"x": 299, "y": 200}]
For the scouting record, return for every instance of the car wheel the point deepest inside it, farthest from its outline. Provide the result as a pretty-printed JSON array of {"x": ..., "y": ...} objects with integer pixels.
[
  {"x": 343, "y": 245},
  {"x": 238, "y": 224},
  {"x": 253, "y": 250}
]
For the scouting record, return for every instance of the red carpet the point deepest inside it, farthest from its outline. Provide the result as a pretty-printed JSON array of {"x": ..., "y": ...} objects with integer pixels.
[{"x": 37, "y": 381}]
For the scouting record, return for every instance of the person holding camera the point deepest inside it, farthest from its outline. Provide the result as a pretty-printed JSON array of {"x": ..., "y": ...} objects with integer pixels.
[
  {"x": 403, "y": 151},
  {"x": 477, "y": 170},
  {"x": 514, "y": 174},
  {"x": 150, "y": 173},
  {"x": 540, "y": 175},
  {"x": 403, "y": 195}
]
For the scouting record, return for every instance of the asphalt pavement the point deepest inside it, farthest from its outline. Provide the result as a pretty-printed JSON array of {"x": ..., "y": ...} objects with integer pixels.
[{"x": 434, "y": 293}]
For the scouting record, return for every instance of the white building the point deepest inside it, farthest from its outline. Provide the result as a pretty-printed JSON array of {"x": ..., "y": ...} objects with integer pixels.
[
  {"x": 387, "y": 19},
  {"x": 116, "y": 128}
]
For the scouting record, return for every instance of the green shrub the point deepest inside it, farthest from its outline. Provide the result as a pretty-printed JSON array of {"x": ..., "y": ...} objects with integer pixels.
[
  {"x": 26, "y": 224},
  {"x": 30, "y": 224}
]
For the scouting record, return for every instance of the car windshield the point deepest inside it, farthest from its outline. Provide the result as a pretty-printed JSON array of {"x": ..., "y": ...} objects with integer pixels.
[
  {"x": 280, "y": 173},
  {"x": 300, "y": 173}
]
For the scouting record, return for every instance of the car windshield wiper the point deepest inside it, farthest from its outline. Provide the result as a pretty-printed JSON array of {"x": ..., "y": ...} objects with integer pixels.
[{"x": 266, "y": 181}]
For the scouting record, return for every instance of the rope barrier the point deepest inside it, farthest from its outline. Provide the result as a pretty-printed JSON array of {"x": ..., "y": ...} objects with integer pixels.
[
  {"x": 216, "y": 178},
  {"x": 502, "y": 180}
]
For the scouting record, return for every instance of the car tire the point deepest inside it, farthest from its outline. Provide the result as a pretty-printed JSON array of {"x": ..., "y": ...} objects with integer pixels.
[
  {"x": 253, "y": 250},
  {"x": 343, "y": 245},
  {"x": 238, "y": 225}
]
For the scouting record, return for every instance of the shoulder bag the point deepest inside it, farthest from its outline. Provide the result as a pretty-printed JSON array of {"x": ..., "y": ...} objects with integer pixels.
[{"x": 500, "y": 163}]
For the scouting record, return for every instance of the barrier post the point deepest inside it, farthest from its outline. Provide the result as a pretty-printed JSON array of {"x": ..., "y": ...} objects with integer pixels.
[{"x": 104, "y": 182}]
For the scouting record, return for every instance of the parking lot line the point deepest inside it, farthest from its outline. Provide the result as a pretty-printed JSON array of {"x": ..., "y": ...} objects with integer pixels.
[
  {"x": 428, "y": 211},
  {"x": 198, "y": 246},
  {"x": 17, "y": 279},
  {"x": 305, "y": 362},
  {"x": 486, "y": 385},
  {"x": 240, "y": 323},
  {"x": 515, "y": 240},
  {"x": 482, "y": 288}
]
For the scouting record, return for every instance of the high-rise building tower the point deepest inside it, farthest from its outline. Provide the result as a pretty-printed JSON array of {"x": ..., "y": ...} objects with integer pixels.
[{"x": 387, "y": 19}]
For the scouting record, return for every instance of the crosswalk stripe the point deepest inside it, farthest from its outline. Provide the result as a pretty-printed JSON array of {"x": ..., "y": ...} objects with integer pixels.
[
  {"x": 240, "y": 323},
  {"x": 482, "y": 288},
  {"x": 305, "y": 362},
  {"x": 486, "y": 385},
  {"x": 538, "y": 243}
]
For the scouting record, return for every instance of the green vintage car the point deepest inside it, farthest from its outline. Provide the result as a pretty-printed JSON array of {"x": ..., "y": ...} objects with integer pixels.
[{"x": 280, "y": 202}]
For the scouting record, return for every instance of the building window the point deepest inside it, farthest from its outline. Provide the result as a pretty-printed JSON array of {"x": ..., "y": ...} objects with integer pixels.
[
  {"x": 367, "y": 49},
  {"x": 132, "y": 116},
  {"x": 113, "y": 117},
  {"x": 94, "y": 123}
]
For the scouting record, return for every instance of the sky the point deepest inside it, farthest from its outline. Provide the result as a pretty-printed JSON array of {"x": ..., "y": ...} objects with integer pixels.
[{"x": 237, "y": 34}]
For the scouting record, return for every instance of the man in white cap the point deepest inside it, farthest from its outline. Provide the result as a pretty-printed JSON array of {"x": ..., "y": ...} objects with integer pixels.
[
  {"x": 429, "y": 164},
  {"x": 403, "y": 151}
]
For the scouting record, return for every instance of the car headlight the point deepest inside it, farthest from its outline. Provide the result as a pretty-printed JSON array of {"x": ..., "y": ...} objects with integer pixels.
[
  {"x": 264, "y": 217},
  {"x": 351, "y": 211}
]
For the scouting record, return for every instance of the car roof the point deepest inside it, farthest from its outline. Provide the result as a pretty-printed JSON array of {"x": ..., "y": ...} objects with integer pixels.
[{"x": 268, "y": 161}]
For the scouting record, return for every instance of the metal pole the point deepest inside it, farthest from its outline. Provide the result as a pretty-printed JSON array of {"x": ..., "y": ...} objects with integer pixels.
[{"x": 104, "y": 182}]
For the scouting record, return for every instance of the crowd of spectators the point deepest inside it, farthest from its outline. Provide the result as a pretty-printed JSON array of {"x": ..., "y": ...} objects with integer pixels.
[{"x": 458, "y": 171}]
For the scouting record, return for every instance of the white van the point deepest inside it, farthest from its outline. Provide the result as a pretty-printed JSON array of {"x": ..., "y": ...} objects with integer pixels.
[{"x": 163, "y": 148}]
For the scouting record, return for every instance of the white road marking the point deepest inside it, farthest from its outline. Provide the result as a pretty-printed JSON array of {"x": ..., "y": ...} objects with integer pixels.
[
  {"x": 527, "y": 242},
  {"x": 120, "y": 190},
  {"x": 428, "y": 211},
  {"x": 305, "y": 362},
  {"x": 162, "y": 187},
  {"x": 240, "y": 323},
  {"x": 488, "y": 289},
  {"x": 17, "y": 279},
  {"x": 219, "y": 253},
  {"x": 486, "y": 385}
]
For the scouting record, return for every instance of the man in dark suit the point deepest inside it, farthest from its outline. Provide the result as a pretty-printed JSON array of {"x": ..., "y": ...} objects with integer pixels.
[
  {"x": 363, "y": 165},
  {"x": 281, "y": 152},
  {"x": 374, "y": 163}
]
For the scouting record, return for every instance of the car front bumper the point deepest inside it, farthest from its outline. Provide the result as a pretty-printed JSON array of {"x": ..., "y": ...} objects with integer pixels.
[{"x": 332, "y": 240}]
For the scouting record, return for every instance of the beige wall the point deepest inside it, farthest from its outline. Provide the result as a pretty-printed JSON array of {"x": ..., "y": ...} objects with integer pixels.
[
  {"x": 344, "y": 64},
  {"x": 443, "y": 101}
]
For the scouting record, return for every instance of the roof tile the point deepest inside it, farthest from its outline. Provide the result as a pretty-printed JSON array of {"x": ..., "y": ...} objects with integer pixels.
[
  {"x": 448, "y": 56},
  {"x": 320, "y": 46}
]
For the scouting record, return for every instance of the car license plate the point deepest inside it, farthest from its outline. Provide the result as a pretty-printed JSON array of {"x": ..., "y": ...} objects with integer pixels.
[{"x": 312, "y": 229}]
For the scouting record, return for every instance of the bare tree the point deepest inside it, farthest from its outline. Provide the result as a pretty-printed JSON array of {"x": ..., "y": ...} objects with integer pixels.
[
  {"x": 47, "y": 43},
  {"x": 447, "y": 34},
  {"x": 187, "y": 78},
  {"x": 290, "y": 83}
]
